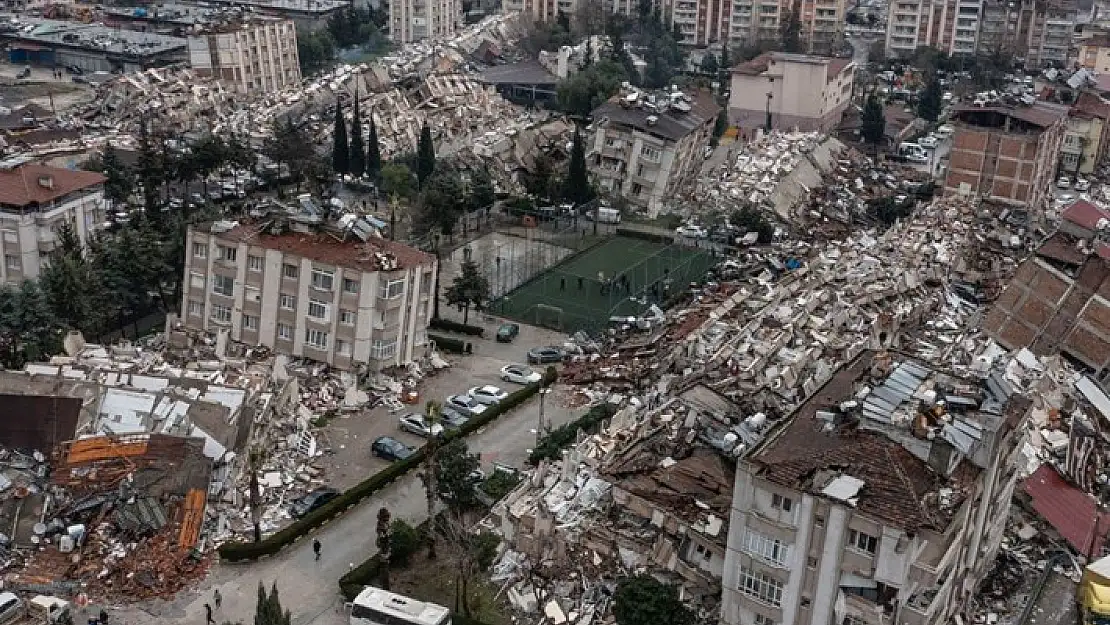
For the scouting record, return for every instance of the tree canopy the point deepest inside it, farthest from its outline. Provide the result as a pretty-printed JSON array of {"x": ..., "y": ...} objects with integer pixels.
[
  {"x": 425, "y": 155},
  {"x": 458, "y": 475},
  {"x": 643, "y": 600},
  {"x": 469, "y": 289},
  {"x": 576, "y": 187},
  {"x": 872, "y": 120},
  {"x": 268, "y": 610},
  {"x": 340, "y": 151},
  {"x": 930, "y": 102}
]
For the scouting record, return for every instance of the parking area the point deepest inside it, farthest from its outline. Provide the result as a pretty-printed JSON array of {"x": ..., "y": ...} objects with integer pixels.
[{"x": 347, "y": 438}]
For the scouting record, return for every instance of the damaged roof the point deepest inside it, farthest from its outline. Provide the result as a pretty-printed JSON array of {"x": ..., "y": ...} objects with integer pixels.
[
  {"x": 33, "y": 183},
  {"x": 704, "y": 478},
  {"x": 1069, "y": 510}
]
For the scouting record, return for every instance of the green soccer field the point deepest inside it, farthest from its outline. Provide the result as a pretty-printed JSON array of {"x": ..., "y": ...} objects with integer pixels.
[{"x": 583, "y": 291}]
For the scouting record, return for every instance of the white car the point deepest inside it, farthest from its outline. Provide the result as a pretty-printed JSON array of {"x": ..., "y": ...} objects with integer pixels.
[
  {"x": 466, "y": 405},
  {"x": 1063, "y": 182},
  {"x": 520, "y": 374},
  {"x": 488, "y": 395},
  {"x": 1082, "y": 185},
  {"x": 928, "y": 143},
  {"x": 691, "y": 231}
]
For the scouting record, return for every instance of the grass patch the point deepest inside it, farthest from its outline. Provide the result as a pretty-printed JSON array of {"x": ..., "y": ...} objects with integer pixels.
[{"x": 434, "y": 580}]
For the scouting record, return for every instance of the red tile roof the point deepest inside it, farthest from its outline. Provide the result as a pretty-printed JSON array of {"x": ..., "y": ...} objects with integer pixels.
[
  {"x": 327, "y": 249},
  {"x": 1085, "y": 214},
  {"x": 1067, "y": 509},
  {"x": 34, "y": 183},
  {"x": 1092, "y": 105}
]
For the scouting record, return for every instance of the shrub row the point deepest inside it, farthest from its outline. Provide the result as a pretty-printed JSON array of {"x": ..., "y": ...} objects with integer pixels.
[
  {"x": 654, "y": 237},
  {"x": 451, "y": 344},
  {"x": 552, "y": 445},
  {"x": 439, "y": 323},
  {"x": 239, "y": 551}
]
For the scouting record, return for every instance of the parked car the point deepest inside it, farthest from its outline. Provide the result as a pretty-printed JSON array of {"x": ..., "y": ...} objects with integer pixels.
[
  {"x": 488, "y": 395},
  {"x": 419, "y": 425},
  {"x": 519, "y": 374},
  {"x": 452, "y": 420},
  {"x": 691, "y": 231},
  {"x": 390, "y": 448},
  {"x": 507, "y": 332},
  {"x": 541, "y": 355},
  {"x": 23, "y": 73},
  {"x": 312, "y": 500},
  {"x": 465, "y": 405},
  {"x": 1063, "y": 182},
  {"x": 1082, "y": 185},
  {"x": 930, "y": 142}
]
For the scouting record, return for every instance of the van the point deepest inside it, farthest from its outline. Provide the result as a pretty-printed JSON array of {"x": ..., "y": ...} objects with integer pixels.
[
  {"x": 608, "y": 215},
  {"x": 11, "y": 607}
]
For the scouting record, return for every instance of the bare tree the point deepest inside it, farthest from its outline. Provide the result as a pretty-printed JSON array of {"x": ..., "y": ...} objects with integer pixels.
[{"x": 476, "y": 552}]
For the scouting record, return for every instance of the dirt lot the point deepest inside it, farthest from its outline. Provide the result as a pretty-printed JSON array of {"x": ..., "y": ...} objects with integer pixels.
[
  {"x": 349, "y": 437},
  {"x": 39, "y": 88}
]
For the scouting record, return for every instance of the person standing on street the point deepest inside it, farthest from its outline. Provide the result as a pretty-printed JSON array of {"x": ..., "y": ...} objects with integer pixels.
[
  {"x": 208, "y": 615},
  {"x": 316, "y": 547},
  {"x": 217, "y": 598}
]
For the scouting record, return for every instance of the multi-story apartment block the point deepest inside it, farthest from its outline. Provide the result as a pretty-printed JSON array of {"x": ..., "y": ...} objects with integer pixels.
[
  {"x": 804, "y": 92},
  {"x": 417, "y": 20},
  {"x": 1094, "y": 54},
  {"x": 1087, "y": 135},
  {"x": 646, "y": 146},
  {"x": 319, "y": 295},
  {"x": 882, "y": 500},
  {"x": 1038, "y": 31},
  {"x": 701, "y": 22},
  {"x": 34, "y": 201},
  {"x": 951, "y": 26},
  {"x": 256, "y": 57},
  {"x": 548, "y": 10},
  {"x": 1006, "y": 154},
  {"x": 753, "y": 21}
]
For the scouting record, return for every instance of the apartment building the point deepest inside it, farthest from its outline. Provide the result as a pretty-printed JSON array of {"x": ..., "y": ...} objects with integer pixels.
[
  {"x": 325, "y": 295},
  {"x": 35, "y": 200},
  {"x": 800, "y": 91},
  {"x": 1087, "y": 135},
  {"x": 753, "y": 21},
  {"x": 1038, "y": 31},
  {"x": 253, "y": 58},
  {"x": 645, "y": 146},
  {"x": 881, "y": 500},
  {"x": 417, "y": 20},
  {"x": 951, "y": 26},
  {"x": 701, "y": 22},
  {"x": 548, "y": 10},
  {"x": 1006, "y": 153},
  {"x": 1094, "y": 54}
]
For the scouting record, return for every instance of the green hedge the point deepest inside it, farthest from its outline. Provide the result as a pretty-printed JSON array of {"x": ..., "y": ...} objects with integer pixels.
[
  {"x": 439, "y": 323},
  {"x": 366, "y": 574},
  {"x": 239, "y": 551},
  {"x": 646, "y": 236},
  {"x": 451, "y": 344},
  {"x": 552, "y": 445}
]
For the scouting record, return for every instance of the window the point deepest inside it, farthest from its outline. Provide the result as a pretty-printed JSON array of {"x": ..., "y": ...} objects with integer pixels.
[
  {"x": 819, "y": 521},
  {"x": 852, "y": 620},
  {"x": 779, "y": 502},
  {"x": 383, "y": 349},
  {"x": 289, "y": 271},
  {"x": 761, "y": 587},
  {"x": 770, "y": 549},
  {"x": 862, "y": 542},
  {"x": 392, "y": 289},
  {"x": 347, "y": 317},
  {"x": 704, "y": 552},
  {"x": 763, "y": 620},
  {"x": 11, "y": 261},
  {"x": 317, "y": 309},
  {"x": 350, "y": 286},
  {"x": 11, "y": 236},
  {"x": 285, "y": 332},
  {"x": 254, "y": 263},
  {"x": 343, "y": 348},
  {"x": 287, "y": 302},
  {"x": 649, "y": 153},
  {"x": 221, "y": 314},
  {"x": 223, "y": 285},
  {"x": 200, "y": 250},
  {"x": 811, "y": 562},
  {"x": 196, "y": 281},
  {"x": 227, "y": 253},
  {"x": 316, "y": 338},
  {"x": 322, "y": 279},
  {"x": 196, "y": 309},
  {"x": 806, "y": 602},
  {"x": 250, "y": 322}
]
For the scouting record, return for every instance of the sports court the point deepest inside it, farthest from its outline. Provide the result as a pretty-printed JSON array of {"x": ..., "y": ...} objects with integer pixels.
[{"x": 619, "y": 276}]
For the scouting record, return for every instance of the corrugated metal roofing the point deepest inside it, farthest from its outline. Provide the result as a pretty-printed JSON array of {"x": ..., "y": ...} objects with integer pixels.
[{"x": 1067, "y": 509}]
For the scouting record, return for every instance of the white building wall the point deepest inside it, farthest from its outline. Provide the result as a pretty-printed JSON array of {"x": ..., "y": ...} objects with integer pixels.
[{"x": 29, "y": 237}]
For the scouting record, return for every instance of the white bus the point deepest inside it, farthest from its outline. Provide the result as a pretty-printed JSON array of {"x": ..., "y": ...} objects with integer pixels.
[{"x": 374, "y": 606}]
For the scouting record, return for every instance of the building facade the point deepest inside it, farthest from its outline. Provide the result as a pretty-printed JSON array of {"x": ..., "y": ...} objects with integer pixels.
[
  {"x": 951, "y": 26},
  {"x": 417, "y": 20},
  {"x": 804, "y": 92},
  {"x": 754, "y": 21},
  {"x": 309, "y": 294},
  {"x": 869, "y": 505},
  {"x": 1087, "y": 136},
  {"x": 701, "y": 22},
  {"x": 1006, "y": 154},
  {"x": 35, "y": 200},
  {"x": 259, "y": 57},
  {"x": 645, "y": 146},
  {"x": 1094, "y": 54}
]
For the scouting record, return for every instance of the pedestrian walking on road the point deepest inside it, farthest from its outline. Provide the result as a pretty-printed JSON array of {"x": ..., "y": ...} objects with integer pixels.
[
  {"x": 217, "y": 598},
  {"x": 208, "y": 615},
  {"x": 316, "y": 547},
  {"x": 103, "y": 616}
]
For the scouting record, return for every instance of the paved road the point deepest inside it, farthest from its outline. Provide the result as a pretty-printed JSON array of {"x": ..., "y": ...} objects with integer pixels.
[{"x": 309, "y": 588}]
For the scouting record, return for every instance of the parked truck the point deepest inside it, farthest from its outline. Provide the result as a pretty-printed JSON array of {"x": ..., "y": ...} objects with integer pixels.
[{"x": 1094, "y": 593}]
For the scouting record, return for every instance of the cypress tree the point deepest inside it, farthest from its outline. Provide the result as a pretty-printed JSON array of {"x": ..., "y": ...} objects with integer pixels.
[
  {"x": 373, "y": 152},
  {"x": 358, "y": 151},
  {"x": 425, "y": 155},
  {"x": 340, "y": 156}
]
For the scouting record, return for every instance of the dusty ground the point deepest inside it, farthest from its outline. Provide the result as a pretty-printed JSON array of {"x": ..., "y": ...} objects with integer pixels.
[{"x": 40, "y": 87}]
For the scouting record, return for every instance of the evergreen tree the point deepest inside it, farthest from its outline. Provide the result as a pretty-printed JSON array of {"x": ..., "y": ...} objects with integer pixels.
[
  {"x": 720, "y": 127},
  {"x": 577, "y": 188},
  {"x": 791, "y": 30},
  {"x": 268, "y": 610},
  {"x": 725, "y": 60},
  {"x": 872, "y": 121},
  {"x": 373, "y": 152},
  {"x": 119, "y": 184},
  {"x": 709, "y": 65},
  {"x": 74, "y": 286},
  {"x": 482, "y": 193},
  {"x": 39, "y": 336},
  {"x": 931, "y": 100},
  {"x": 425, "y": 155},
  {"x": 358, "y": 149},
  {"x": 151, "y": 168},
  {"x": 470, "y": 288},
  {"x": 340, "y": 151}
]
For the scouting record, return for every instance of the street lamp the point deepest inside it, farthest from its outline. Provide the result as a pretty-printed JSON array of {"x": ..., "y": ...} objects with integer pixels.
[{"x": 539, "y": 426}]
